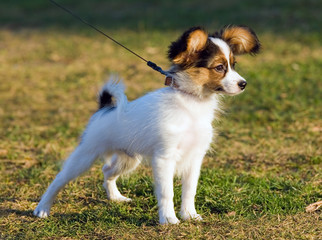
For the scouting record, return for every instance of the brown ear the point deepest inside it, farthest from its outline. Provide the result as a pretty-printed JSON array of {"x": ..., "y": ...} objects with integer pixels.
[
  {"x": 185, "y": 50},
  {"x": 241, "y": 39}
]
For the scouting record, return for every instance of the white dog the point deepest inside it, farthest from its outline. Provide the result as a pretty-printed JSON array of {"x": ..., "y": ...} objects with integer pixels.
[{"x": 172, "y": 126}]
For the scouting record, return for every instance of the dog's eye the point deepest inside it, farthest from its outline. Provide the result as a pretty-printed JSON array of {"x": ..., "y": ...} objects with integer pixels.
[{"x": 220, "y": 68}]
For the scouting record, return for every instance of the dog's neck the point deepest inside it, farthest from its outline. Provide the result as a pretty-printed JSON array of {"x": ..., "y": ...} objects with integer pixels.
[{"x": 181, "y": 81}]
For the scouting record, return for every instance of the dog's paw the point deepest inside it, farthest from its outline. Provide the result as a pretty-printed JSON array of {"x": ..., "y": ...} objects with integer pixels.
[
  {"x": 169, "y": 220},
  {"x": 191, "y": 216},
  {"x": 114, "y": 195},
  {"x": 41, "y": 212},
  {"x": 196, "y": 217},
  {"x": 119, "y": 199}
]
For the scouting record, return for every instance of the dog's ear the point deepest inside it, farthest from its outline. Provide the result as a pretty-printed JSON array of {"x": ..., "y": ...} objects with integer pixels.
[
  {"x": 241, "y": 39},
  {"x": 185, "y": 50}
]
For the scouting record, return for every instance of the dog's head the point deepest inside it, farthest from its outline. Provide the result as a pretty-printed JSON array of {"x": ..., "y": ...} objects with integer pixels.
[{"x": 205, "y": 64}]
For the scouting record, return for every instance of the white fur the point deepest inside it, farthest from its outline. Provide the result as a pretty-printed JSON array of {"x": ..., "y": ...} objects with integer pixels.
[
  {"x": 231, "y": 79},
  {"x": 171, "y": 127}
]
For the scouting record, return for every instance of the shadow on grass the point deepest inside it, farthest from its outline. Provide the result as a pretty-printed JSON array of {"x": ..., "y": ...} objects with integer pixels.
[
  {"x": 111, "y": 213},
  {"x": 6, "y": 212},
  {"x": 110, "y": 217},
  {"x": 266, "y": 15}
]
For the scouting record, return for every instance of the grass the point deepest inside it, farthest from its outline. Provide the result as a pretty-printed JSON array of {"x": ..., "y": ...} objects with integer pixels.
[{"x": 258, "y": 177}]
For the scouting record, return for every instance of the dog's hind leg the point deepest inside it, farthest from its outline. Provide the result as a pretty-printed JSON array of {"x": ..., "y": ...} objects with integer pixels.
[
  {"x": 77, "y": 163},
  {"x": 118, "y": 165}
]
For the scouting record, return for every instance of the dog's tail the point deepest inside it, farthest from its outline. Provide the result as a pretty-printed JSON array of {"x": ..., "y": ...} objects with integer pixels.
[{"x": 112, "y": 94}]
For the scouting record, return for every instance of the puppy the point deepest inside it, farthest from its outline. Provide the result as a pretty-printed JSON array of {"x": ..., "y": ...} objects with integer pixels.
[{"x": 171, "y": 126}]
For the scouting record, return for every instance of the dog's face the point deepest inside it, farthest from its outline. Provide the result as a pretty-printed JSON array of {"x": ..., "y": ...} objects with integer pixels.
[{"x": 209, "y": 60}]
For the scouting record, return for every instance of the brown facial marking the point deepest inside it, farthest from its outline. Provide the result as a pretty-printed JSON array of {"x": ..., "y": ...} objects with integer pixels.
[
  {"x": 218, "y": 59},
  {"x": 208, "y": 76},
  {"x": 232, "y": 60}
]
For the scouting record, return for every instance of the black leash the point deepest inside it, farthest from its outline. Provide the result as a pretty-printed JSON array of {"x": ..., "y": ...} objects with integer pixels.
[{"x": 149, "y": 63}]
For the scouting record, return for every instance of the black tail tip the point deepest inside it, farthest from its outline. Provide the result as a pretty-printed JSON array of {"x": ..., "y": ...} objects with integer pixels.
[{"x": 105, "y": 99}]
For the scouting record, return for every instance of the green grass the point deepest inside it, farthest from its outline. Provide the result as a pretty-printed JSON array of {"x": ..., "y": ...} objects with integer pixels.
[{"x": 258, "y": 177}]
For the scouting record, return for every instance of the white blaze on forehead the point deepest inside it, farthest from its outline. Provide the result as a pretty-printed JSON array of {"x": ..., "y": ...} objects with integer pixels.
[
  {"x": 223, "y": 46},
  {"x": 231, "y": 78}
]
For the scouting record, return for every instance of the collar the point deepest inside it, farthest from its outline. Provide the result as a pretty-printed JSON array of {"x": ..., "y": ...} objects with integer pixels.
[{"x": 170, "y": 81}]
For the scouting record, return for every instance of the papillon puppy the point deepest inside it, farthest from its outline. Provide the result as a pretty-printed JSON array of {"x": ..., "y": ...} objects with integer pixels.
[{"x": 171, "y": 126}]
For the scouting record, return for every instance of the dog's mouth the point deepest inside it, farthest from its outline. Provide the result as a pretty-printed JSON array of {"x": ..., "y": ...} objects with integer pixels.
[{"x": 221, "y": 90}]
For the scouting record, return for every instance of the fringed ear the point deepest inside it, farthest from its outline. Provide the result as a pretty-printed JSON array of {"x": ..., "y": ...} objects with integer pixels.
[
  {"x": 185, "y": 50},
  {"x": 241, "y": 39}
]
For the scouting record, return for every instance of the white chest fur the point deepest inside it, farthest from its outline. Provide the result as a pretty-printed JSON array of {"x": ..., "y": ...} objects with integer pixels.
[{"x": 187, "y": 124}]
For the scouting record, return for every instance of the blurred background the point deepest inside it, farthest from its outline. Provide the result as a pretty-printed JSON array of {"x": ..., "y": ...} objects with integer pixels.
[{"x": 269, "y": 16}]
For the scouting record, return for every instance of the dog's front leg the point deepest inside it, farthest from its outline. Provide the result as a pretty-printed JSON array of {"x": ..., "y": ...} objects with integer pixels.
[
  {"x": 189, "y": 187},
  {"x": 163, "y": 172}
]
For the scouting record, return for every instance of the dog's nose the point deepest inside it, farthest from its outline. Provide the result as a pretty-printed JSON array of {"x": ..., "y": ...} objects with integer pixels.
[{"x": 242, "y": 84}]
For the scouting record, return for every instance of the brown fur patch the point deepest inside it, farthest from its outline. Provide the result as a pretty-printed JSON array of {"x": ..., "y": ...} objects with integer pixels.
[
  {"x": 241, "y": 39},
  {"x": 205, "y": 77},
  {"x": 196, "y": 42},
  {"x": 183, "y": 58},
  {"x": 218, "y": 59},
  {"x": 232, "y": 59},
  {"x": 209, "y": 77}
]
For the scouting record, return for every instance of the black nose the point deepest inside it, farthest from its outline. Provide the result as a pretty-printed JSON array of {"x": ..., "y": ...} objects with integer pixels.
[{"x": 242, "y": 84}]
